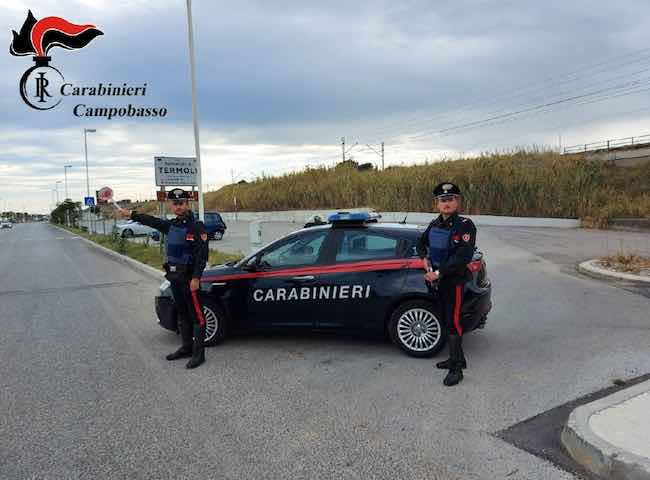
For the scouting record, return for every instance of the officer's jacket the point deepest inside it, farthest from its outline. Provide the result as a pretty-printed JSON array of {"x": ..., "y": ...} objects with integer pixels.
[
  {"x": 186, "y": 241},
  {"x": 449, "y": 244}
]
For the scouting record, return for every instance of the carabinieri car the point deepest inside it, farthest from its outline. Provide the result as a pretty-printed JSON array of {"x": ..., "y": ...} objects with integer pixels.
[{"x": 352, "y": 275}]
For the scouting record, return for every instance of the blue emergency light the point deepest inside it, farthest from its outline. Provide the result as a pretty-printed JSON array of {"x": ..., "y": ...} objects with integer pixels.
[{"x": 353, "y": 217}]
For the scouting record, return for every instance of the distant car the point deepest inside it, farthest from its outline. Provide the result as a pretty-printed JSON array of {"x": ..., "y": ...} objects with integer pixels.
[
  {"x": 353, "y": 275},
  {"x": 214, "y": 226},
  {"x": 8, "y": 225},
  {"x": 131, "y": 229}
]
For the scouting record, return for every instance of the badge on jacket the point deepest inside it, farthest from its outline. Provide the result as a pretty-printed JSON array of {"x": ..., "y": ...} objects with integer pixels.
[
  {"x": 466, "y": 237},
  {"x": 189, "y": 237}
]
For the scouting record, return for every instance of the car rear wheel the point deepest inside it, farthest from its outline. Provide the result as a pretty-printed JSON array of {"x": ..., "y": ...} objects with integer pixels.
[
  {"x": 416, "y": 329},
  {"x": 127, "y": 233},
  {"x": 215, "y": 322}
]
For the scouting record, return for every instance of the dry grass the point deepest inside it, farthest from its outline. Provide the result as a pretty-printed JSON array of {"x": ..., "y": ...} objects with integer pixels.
[{"x": 628, "y": 263}]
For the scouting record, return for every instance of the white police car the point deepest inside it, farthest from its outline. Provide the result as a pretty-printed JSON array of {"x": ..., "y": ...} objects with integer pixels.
[{"x": 352, "y": 275}]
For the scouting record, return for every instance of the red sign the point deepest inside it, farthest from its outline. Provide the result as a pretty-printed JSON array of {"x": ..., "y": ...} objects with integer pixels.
[{"x": 104, "y": 195}]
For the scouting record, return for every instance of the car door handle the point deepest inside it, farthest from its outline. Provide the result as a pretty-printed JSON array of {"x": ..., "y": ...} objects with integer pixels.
[{"x": 303, "y": 277}]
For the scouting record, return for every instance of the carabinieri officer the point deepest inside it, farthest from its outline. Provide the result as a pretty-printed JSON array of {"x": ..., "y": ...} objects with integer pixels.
[
  {"x": 186, "y": 257},
  {"x": 447, "y": 246}
]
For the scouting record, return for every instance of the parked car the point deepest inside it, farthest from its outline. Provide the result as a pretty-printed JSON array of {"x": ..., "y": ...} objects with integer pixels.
[
  {"x": 131, "y": 229},
  {"x": 352, "y": 275},
  {"x": 214, "y": 226},
  {"x": 7, "y": 225}
]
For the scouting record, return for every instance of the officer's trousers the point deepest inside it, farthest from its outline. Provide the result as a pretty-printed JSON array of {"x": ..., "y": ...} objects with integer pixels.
[
  {"x": 451, "y": 299},
  {"x": 190, "y": 310}
]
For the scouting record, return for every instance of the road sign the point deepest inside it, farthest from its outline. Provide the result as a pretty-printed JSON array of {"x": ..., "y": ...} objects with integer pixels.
[
  {"x": 175, "y": 171},
  {"x": 104, "y": 195},
  {"x": 89, "y": 201}
]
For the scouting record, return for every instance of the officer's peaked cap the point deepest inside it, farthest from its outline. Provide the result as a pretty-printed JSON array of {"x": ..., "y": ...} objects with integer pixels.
[
  {"x": 446, "y": 188},
  {"x": 178, "y": 194}
]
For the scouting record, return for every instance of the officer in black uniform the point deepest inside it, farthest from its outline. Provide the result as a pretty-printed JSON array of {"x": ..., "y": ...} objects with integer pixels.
[
  {"x": 446, "y": 247},
  {"x": 186, "y": 256}
]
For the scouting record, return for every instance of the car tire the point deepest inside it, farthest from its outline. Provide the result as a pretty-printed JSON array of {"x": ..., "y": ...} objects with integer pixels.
[
  {"x": 415, "y": 328},
  {"x": 217, "y": 235},
  {"x": 216, "y": 322},
  {"x": 127, "y": 233}
]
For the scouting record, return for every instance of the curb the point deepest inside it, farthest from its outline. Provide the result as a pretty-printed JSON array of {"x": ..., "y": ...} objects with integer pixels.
[
  {"x": 590, "y": 267},
  {"x": 596, "y": 454},
  {"x": 139, "y": 266}
]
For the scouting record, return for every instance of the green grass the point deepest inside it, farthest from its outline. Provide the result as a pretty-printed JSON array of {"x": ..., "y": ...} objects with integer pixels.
[{"x": 144, "y": 252}]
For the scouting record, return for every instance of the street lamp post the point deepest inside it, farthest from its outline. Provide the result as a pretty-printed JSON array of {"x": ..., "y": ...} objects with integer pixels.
[
  {"x": 65, "y": 174},
  {"x": 56, "y": 186},
  {"x": 195, "y": 115}
]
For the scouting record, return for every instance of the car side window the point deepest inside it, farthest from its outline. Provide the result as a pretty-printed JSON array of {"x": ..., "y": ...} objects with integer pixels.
[
  {"x": 300, "y": 251},
  {"x": 357, "y": 245}
]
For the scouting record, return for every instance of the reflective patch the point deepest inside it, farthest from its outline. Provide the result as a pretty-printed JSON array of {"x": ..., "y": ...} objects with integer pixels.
[{"x": 466, "y": 237}]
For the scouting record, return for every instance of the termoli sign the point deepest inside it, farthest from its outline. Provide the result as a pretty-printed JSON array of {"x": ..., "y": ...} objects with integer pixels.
[{"x": 43, "y": 86}]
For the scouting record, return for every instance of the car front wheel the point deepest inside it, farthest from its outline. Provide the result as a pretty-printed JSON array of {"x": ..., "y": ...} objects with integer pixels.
[
  {"x": 127, "y": 233},
  {"x": 415, "y": 328},
  {"x": 215, "y": 322}
]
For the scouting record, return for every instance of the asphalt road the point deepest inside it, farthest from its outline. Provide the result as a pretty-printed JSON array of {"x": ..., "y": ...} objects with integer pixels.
[{"x": 85, "y": 391}]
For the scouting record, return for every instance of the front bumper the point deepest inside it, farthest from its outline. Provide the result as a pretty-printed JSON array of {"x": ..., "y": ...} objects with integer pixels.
[{"x": 167, "y": 314}]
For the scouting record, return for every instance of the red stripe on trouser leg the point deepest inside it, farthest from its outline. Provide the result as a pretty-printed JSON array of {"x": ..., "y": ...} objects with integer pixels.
[
  {"x": 457, "y": 302},
  {"x": 197, "y": 308}
]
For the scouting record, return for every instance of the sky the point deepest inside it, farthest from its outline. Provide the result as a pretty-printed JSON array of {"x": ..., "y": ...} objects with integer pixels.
[{"x": 280, "y": 83}]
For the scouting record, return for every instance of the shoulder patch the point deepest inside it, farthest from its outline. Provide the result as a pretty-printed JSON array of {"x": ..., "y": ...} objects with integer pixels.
[{"x": 466, "y": 237}]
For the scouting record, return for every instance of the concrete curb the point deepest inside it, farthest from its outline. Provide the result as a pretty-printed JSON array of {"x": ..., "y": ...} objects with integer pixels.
[
  {"x": 139, "y": 266},
  {"x": 595, "y": 453},
  {"x": 590, "y": 267}
]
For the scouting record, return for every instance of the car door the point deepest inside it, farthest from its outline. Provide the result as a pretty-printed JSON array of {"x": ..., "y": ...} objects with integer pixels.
[
  {"x": 367, "y": 272},
  {"x": 281, "y": 292}
]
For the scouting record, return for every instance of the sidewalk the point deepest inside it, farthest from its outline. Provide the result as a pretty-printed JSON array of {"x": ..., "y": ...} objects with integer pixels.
[{"x": 609, "y": 437}]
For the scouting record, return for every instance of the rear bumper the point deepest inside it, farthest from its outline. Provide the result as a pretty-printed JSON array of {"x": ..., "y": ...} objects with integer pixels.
[
  {"x": 166, "y": 313},
  {"x": 476, "y": 307}
]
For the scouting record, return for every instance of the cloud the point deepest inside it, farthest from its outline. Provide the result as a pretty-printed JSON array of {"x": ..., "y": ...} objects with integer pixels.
[{"x": 281, "y": 82}]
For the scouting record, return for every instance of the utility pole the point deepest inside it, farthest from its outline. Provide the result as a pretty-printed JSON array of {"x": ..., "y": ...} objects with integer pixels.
[
  {"x": 65, "y": 175},
  {"x": 195, "y": 113},
  {"x": 56, "y": 185},
  {"x": 343, "y": 149},
  {"x": 382, "y": 156}
]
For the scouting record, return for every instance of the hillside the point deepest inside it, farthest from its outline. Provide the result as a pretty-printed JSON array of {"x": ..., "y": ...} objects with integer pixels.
[{"x": 521, "y": 184}]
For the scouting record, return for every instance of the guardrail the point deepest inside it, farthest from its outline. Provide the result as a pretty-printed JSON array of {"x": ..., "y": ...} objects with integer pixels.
[{"x": 608, "y": 144}]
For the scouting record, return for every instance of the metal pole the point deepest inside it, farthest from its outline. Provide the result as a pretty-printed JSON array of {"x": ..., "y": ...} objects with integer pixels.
[
  {"x": 65, "y": 175},
  {"x": 343, "y": 148},
  {"x": 382, "y": 156},
  {"x": 195, "y": 115}
]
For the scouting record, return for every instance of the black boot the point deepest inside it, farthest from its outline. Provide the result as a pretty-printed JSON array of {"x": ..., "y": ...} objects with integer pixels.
[
  {"x": 446, "y": 364},
  {"x": 456, "y": 359},
  {"x": 182, "y": 352},
  {"x": 198, "y": 354}
]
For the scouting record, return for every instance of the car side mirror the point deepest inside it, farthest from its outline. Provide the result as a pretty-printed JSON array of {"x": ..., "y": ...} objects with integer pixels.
[{"x": 252, "y": 265}]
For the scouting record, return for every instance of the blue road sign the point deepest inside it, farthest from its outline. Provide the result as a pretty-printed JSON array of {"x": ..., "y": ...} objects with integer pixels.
[{"x": 89, "y": 201}]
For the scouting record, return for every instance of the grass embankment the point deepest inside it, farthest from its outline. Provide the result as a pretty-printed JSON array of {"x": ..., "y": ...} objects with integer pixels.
[
  {"x": 145, "y": 252},
  {"x": 525, "y": 183}
]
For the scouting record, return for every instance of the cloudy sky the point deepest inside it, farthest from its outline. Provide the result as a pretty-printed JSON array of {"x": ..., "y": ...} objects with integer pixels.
[{"x": 279, "y": 84}]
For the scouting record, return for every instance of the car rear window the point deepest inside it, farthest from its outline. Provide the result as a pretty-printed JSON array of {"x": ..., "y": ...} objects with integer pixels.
[
  {"x": 357, "y": 245},
  {"x": 212, "y": 217}
]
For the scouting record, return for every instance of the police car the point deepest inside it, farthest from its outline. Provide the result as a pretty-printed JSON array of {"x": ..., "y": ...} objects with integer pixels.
[{"x": 352, "y": 275}]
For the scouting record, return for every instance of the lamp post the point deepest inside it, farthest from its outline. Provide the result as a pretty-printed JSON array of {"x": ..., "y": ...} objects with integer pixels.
[
  {"x": 56, "y": 186},
  {"x": 195, "y": 114},
  {"x": 86, "y": 132},
  {"x": 65, "y": 174}
]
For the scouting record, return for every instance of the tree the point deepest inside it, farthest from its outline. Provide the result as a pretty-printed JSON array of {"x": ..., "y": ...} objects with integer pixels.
[{"x": 58, "y": 215}]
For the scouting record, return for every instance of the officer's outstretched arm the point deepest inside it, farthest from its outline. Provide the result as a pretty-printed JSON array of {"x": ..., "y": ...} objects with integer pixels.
[
  {"x": 199, "y": 250},
  {"x": 457, "y": 263},
  {"x": 154, "y": 222}
]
